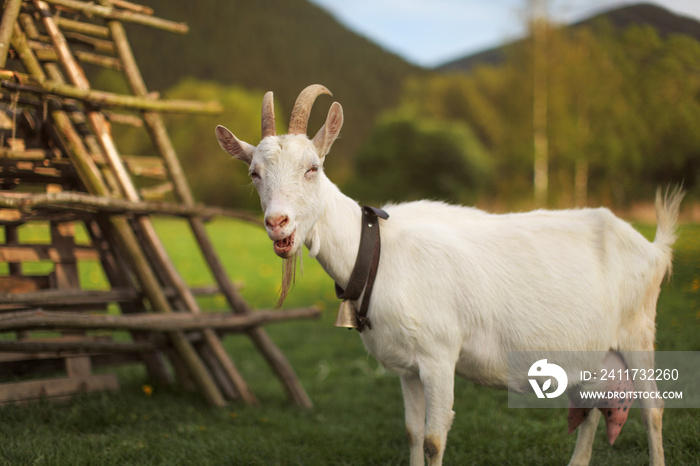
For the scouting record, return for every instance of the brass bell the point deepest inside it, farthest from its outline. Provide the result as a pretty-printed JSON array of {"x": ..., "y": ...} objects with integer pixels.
[{"x": 347, "y": 315}]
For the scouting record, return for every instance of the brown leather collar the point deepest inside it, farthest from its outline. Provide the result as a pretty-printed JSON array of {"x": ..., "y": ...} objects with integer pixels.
[{"x": 366, "y": 264}]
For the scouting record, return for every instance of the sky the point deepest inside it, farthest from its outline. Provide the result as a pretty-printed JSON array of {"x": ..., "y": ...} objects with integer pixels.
[{"x": 432, "y": 32}]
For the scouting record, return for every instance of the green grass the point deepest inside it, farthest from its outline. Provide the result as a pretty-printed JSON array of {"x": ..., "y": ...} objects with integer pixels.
[{"x": 358, "y": 413}]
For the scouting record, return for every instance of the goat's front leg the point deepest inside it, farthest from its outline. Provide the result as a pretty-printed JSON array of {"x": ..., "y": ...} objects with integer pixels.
[
  {"x": 414, "y": 405},
  {"x": 438, "y": 384}
]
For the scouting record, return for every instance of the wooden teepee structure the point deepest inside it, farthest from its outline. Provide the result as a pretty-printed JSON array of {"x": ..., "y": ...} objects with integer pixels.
[{"x": 60, "y": 166}]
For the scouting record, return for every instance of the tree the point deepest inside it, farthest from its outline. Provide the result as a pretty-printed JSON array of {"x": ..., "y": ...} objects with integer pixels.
[
  {"x": 406, "y": 157},
  {"x": 623, "y": 108}
]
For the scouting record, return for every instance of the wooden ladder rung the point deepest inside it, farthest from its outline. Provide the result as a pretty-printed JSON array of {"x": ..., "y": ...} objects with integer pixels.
[
  {"x": 67, "y": 298},
  {"x": 64, "y": 387}
]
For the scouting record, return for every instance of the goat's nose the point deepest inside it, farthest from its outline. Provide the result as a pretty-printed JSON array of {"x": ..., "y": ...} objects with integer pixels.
[{"x": 275, "y": 222}]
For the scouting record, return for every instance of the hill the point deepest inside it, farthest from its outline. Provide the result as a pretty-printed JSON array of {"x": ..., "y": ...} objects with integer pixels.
[
  {"x": 279, "y": 45},
  {"x": 643, "y": 14}
]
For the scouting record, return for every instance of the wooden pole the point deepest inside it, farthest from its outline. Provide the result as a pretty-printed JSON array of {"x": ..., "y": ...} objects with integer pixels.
[
  {"x": 7, "y": 25},
  {"x": 63, "y": 298},
  {"x": 82, "y": 202},
  {"x": 9, "y": 346},
  {"x": 84, "y": 28},
  {"x": 92, "y": 179},
  {"x": 540, "y": 141},
  {"x": 179, "y": 321},
  {"x": 108, "y": 99},
  {"x": 91, "y": 9},
  {"x": 154, "y": 123},
  {"x": 126, "y": 5}
]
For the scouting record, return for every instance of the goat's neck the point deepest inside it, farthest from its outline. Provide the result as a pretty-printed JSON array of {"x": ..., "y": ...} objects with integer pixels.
[{"x": 338, "y": 229}]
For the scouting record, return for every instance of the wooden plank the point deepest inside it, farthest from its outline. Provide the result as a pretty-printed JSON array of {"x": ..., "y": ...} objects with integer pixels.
[
  {"x": 82, "y": 27},
  {"x": 120, "y": 15},
  {"x": 29, "y": 291},
  {"x": 126, "y": 5},
  {"x": 78, "y": 367},
  {"x": 99, "y": 45},
  {"x": 152, "y": 167},
  {"x": 14, "y": 357},
  {"x": 157, "y": 191},
  {"x": 23, "y": 217},
  {"x": 61, "y": 346},
  {"x": 47, "y": 171},
  {"x": 69, "y": 298},
  {"x": 40, "y": 252},
  {"x": 180, "y": 321},
  {"x": 27, "y": 154},
  {"x": 24, "y": 165},
  {"x": 78, "y": 346},
  {"x": 16, "y": 143},
  {"x": 10, "y": 215},
  {"x": 124, "y": 119},
  {"x": 83, "y": 202},
  {"x": 56, "y": 387},
  {"x": 99, "y": 60},
  {"x": 36, "y": 364},
  {"x": 109, "y": 99},
  {"x": 22, "y": 284}
]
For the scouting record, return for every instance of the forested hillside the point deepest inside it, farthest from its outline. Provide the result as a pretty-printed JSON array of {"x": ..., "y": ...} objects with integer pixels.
[
  {"x": 280, "y": 45},
  {"x": 663, "y": 21}
]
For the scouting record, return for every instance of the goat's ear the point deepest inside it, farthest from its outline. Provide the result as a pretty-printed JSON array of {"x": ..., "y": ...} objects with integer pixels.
[
  {"x": 330, "y": 130},
  {"x": 230, "y": 143}
]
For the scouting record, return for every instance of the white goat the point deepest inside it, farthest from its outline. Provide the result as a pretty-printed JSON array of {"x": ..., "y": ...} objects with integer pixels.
[{"x": 458, "y": 288}]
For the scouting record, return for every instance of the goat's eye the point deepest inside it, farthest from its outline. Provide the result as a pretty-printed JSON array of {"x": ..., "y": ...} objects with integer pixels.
[{"x": 311, "y": 171}]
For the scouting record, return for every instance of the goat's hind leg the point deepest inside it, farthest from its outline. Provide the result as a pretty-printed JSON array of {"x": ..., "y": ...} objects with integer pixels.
[
  {"x": 414, "y": 405},
  {"x": 584, "y": 441},
  {"x": 652, "y": 409}
]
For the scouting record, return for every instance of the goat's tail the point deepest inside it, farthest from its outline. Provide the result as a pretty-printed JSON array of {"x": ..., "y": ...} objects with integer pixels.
[{"x": 667, "y": 207}]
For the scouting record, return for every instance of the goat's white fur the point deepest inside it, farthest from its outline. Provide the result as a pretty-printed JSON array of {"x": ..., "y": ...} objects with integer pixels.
[{"x": 458, "y": 288}]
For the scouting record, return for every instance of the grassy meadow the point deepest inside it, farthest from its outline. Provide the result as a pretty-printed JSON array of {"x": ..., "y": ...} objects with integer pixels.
[{"x": 358, "y": 413}]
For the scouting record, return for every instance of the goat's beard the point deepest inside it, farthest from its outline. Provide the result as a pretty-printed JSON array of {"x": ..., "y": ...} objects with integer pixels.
[{"x": 289, "y": 275}]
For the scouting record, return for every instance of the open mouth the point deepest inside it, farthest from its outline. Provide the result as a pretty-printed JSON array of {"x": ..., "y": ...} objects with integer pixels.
[{"x": 284, "y": 246}]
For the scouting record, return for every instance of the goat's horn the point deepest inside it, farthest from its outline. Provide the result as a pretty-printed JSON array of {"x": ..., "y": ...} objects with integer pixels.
[
  {"x": 302, "y": 108},
  {"x": 268, "y": 116}
]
